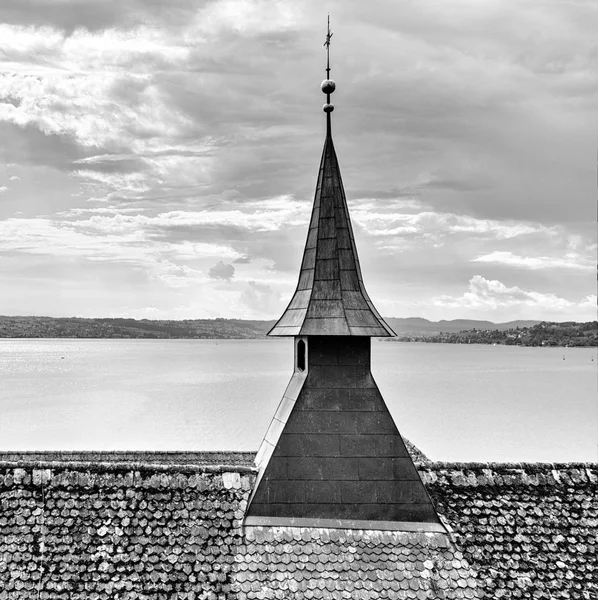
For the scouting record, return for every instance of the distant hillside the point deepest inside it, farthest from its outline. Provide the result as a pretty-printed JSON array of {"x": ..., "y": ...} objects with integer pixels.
[
  {"x": 418, "y": 326},
  {"x": 410, "y": 329},
  {"x": 74, "y": 327},
  {"x": 569, "y": 334}
]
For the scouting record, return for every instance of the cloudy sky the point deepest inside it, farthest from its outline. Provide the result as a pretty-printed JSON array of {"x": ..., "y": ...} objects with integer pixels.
[{"x": 158, "y": 158}]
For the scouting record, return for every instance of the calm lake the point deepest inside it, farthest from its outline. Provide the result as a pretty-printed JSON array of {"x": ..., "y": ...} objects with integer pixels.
[{"x": 455, "y": 402}]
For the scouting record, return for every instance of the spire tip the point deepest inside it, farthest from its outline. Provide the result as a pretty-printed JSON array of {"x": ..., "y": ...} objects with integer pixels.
[{"x": 328, "y": 85}]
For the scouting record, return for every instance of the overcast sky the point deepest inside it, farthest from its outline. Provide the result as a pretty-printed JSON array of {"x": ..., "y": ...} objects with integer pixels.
[{"x": 158, "y": 158}]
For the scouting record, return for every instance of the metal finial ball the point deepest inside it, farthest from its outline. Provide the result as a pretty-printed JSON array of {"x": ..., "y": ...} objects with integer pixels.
[
  {"x": 328, "y": 86},
  {"x": 328, "y": 108}
]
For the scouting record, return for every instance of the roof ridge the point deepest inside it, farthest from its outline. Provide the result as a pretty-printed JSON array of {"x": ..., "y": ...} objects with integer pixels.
[
  {"x": 539, "y": 466},
  {"x": 343, "y": 206},
  {"x": 125, "y": 466}
]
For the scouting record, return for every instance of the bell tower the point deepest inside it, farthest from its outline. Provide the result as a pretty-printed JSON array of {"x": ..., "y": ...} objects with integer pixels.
[{"x": 332, "y": 455}]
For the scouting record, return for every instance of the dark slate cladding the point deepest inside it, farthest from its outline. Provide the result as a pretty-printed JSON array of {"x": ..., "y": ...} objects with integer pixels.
[
  {"x": 529, "y": 530},
  {"x": 337, "y": 454},
  {"x": 330, "y": 298}
]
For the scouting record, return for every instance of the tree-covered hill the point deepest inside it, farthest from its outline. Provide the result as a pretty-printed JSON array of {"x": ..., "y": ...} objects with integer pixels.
[
  {"x": 523, "y": 333},
  {"x": 541, "y": 334},
  {"x": 74, "y": 327}
]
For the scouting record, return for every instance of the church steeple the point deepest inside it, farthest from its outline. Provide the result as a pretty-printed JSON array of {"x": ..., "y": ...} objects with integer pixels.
[
  {"x": 333, "y": 456},
  {"x": 330, "y": 298}
]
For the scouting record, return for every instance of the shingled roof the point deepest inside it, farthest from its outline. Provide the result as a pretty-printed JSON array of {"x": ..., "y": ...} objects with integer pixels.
[
  {"x": 528, "y": 530},
  {"x": 345, "y": 563},
  {"x": 146, "y": 531},
  {"x": 330, "y": 298}
]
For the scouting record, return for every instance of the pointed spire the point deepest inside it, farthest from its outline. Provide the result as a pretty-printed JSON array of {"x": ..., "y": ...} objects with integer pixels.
[{"x": 330, "y": 298}]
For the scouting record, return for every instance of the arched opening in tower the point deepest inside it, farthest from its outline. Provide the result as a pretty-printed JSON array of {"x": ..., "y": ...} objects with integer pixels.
[{"x": 301, "y": 355}]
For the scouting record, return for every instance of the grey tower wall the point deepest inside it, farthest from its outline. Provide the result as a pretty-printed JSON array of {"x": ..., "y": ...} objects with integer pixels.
[{"x": 339, "y": 455}]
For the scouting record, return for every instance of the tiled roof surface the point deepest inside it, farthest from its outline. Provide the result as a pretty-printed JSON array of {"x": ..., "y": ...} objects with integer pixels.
[
  {"x": 530, "y": 530},
  {"x": 104, "y": 533},
  {"x": 147, "y": 531},
  {"x": 293, "y": 562},
  {"x": 416, "y": 454}
]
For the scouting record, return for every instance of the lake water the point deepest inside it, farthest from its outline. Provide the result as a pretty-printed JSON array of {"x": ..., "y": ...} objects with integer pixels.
[{"x": 455, "y": 402}]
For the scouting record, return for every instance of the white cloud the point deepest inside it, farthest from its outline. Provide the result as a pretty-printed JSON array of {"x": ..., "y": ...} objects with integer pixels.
[
  {"x": 125, "y": 245},
  {"x": 492, "y": 295},
  {"x": 247, "y": 17},
  {"x": 3, "y": 189},
  {"x": 570, "y": 261},
  {"x": 261, "y": 298},
  {"x": 266, "y": 215},
  {"x": 126, "y": 183},
  {"x": 440, "y": 225},
  {"x": 390, "y": 204},
  {"x": 97, "y": 103},
  {"x": 100, "y": 210},
  {"x": 83, "y": 50}
]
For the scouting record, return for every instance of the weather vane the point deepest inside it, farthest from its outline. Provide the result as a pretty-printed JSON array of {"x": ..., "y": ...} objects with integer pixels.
[
  {"x": 328, "y": 86},
  {"x": 327, "y": 44}
]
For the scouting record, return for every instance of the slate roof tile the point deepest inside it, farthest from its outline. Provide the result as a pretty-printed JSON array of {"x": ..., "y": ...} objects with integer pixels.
[
  {"x": 368, "y": 565},
  {"x": 522, "y": 527},
  {"x": 82, "y": 531}
]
